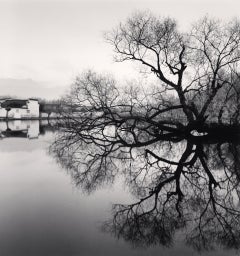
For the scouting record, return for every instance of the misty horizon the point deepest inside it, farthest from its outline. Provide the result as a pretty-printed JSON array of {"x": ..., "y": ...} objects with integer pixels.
[{"x": 50, "y": 52}]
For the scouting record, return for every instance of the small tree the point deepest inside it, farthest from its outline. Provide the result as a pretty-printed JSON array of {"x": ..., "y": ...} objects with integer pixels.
[{"x": 7, "y": 111}]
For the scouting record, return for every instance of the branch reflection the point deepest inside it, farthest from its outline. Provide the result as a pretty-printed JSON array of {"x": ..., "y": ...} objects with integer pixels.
[{"x": 188, "y": 186}]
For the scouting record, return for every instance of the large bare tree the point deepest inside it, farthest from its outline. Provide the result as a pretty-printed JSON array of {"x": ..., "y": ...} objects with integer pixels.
[{"x": 195, "y": 102}]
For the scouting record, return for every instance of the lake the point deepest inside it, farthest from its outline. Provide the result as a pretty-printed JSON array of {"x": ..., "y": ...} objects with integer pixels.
[{"x": 44, "y": 213}]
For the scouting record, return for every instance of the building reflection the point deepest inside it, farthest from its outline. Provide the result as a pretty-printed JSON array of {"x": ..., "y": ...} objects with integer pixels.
[{"x": 29, "y": 129}]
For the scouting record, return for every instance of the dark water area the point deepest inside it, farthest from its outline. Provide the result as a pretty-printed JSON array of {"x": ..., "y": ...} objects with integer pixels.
[{"x": 44, "y": 213}]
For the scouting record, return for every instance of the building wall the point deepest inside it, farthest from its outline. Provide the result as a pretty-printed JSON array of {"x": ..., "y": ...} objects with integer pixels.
[
  {"x": 33, "y": 106},
  {"x": 3, "y": 112},
  {"x": 18, "y": 113}
]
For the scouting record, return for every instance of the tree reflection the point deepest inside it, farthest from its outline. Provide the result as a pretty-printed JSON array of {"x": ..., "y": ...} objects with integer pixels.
[{"x": 193, "y": 188}]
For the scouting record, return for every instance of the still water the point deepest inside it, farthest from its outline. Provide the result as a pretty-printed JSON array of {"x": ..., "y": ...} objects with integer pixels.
[{"x": 43, "y": 213}]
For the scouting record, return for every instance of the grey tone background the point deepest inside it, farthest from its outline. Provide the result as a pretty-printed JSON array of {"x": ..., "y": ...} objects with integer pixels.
[{"x": 45, "y": 44}]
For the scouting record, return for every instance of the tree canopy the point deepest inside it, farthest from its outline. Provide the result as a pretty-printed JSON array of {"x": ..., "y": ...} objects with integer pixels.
[{"x": 196, "y": 65}]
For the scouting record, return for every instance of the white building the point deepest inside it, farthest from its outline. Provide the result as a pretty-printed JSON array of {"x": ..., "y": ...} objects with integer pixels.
[{"x": 19, "y": 109}]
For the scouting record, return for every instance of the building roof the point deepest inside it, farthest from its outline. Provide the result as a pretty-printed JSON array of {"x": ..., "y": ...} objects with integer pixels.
[{"x": 14, "y": 103}]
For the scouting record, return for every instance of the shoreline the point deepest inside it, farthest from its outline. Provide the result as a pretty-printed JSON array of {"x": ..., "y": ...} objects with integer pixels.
[{"x": 31, "y": 118}]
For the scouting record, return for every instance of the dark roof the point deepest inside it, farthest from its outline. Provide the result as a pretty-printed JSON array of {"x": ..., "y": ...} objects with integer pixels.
[{"x": 14, "y": 103}]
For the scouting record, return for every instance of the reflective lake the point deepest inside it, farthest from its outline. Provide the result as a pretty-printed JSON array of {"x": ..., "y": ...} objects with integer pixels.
[{"x": 43, "y": 212}]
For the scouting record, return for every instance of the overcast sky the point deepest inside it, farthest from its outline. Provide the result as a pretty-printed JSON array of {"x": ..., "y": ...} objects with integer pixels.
[{"x": 45, "y": 43}]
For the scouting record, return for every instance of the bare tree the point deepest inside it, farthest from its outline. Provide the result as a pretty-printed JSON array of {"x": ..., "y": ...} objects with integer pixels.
[
  {"x": 194, "y": 103},
  {"x": 196, "y": 65},
  {"x": 197, "y": 88}
]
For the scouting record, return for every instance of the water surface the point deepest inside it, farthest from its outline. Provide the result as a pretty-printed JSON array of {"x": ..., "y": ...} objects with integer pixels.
[{"x": 43, "y": 213}]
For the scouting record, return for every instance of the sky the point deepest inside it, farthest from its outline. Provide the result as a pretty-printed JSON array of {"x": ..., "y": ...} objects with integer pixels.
[{"x": 45, "y": 44}]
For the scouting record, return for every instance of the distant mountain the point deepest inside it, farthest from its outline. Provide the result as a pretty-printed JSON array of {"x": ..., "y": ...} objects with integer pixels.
[{"x": 27, "y": 88}]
